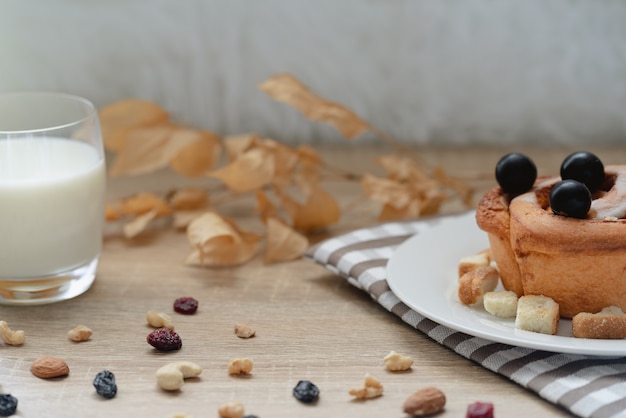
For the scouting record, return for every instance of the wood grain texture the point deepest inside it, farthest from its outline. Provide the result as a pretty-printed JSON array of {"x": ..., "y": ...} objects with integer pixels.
[{"x": 310, "y": 324}]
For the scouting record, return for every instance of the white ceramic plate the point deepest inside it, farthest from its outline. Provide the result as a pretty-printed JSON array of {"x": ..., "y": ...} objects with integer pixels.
[{"x": 423, "y": 274}]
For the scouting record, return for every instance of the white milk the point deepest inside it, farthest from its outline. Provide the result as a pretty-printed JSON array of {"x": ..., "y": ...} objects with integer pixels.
[{"x": 51, "y": 206}]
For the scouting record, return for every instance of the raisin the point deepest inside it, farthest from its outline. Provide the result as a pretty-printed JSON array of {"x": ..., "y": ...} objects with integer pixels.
[
  {"x": 8, "y": 404},
  {"x": 306, "y": 392},
  {"x": 480, "y": 410},
  {"x": 104, "y": 382},
  {"x": 164, "y": 339},
  {"x": 186, "y": 305}
]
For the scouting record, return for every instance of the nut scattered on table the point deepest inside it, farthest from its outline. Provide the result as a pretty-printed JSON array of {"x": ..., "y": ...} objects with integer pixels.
[
  {"x": 426, "y": 401},
  {"x": 397, "y": 362},
  {"x": 172, "y": 376},
  {"x": 372, "y": 388},
  {"x": 244, "y": 331},
  {"x": 240, "y": 366},
  {"x": 159, "y": 320},
  {"x": 79, "y": 333},
  {"x": 231, "y": 410},
  {"x": 9, "y": 336},
  {"x": 48, "y": 367}
]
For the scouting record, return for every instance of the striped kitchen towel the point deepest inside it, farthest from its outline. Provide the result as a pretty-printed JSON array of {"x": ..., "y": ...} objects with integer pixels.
[{"x": 587, "y": 386}]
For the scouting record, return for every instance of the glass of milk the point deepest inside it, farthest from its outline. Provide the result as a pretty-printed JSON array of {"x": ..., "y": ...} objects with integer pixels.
[{"x": 52, "y": 188}]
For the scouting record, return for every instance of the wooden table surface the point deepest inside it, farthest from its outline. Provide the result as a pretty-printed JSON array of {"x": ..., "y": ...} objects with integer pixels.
[{"x": 310, "y": 325}]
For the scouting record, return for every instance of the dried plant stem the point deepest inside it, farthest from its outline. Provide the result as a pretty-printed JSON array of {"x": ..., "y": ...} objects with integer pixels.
[{"x": 398, "y": 146}]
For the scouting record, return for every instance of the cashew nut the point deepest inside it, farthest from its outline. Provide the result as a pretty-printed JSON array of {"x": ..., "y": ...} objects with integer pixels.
[
  {"x": 9, "y": 336},
  {"x": 159, "y": 320},
  {"x": 172, "y": 375}
]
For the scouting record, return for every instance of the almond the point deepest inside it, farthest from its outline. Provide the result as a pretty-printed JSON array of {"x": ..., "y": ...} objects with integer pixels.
[
  {"x": 48, "y": 367},
  {"x": 425, "y": 401}
]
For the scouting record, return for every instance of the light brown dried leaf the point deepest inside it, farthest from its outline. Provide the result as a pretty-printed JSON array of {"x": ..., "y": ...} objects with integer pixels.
[
  {"x": 288, "y": 89},
  {"x": 117, "y": 118},
  {"x": 285, "y": 160},
  {"x": 139, "y": 224},
  {"x": 182, "y": 218},
  {"x": 149, "y": 149},
  {"x": 111, "y": 213},
  {"x": 142, "y": 203},
  {"x": 402, "y": 169},
  {"x": 199, "y": 156},
  {"x": 283, "y": 242},
  {"x": 217, "y": 241},
  {"x": 387, "y": 191},
  {"x": 265, "y": 207},
  {"x": 189, "y": 198},
  {"x": 250, "y": 171},
  {"x": 319, "y": 211},
  {"x": 236, "y": 145}
]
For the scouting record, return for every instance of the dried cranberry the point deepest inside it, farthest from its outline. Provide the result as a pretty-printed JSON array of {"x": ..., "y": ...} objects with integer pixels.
[
  {"x": 186, "y": 305},
  {"x": 480, "y": 410},
  {"x": 164, "y": 339}
]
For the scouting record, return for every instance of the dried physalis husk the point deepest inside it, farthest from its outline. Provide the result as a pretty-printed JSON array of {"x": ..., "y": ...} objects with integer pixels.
[
  {"x": 285, "y": 160},
  {"x": 151, "y": 148},
  {"x": 189, "y": 198},
  {"x": 217, "y": 241},
  {"x": 249, "y": 171},
  {"x": 288, "y": 89},
  {"x": 118, "y": 118},
  {"x": 283, "y": 242},
  {"x": 266, "y": 208},
  {"x": 142, "y": 203},
  {"x": 138, "y": 224},
  {"x": 236, "y": 145},
  {"x": 319, "y": 211},
  {"x": 199, "y": 155}
]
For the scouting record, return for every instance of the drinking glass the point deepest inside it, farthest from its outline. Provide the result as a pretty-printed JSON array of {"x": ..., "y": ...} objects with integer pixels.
[{"x": 52, "y": 189}]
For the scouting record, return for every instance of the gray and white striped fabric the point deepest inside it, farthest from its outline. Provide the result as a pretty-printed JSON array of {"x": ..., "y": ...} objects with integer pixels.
[{"x": 587, "y": 386}]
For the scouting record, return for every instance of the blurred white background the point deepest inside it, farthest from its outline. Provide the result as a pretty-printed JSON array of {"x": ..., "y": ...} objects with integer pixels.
[{"x": 446, "y": 72}]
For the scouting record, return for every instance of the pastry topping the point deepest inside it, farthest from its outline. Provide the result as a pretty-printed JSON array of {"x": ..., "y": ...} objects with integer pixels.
[
  {"x": 164, "y": 339},
  {"x": 426, "y": 401},
  {"x": 570, "y": 198},
  {"x": 479, "y": 410},
  {"x": 516, "y": 173},
  {"x": 472, "y": 262},
  {"x": 186, "y": 305},
  {"x": 502, "y": 303},
  {"x": 537, "y": 313},
  {"x": 585, "y": 167},
  {"x": 8, "y": 404},
  {"x": 105, "y": 385},
  {"x": 475, "y": 283},
  {"x": 306, "y": 392},
  {"x": 609, "y": 323}
]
